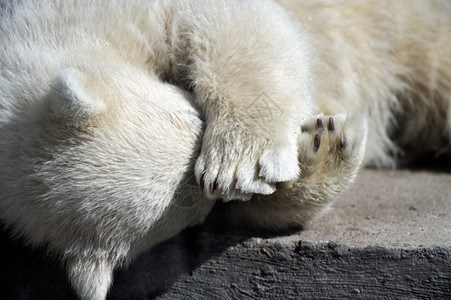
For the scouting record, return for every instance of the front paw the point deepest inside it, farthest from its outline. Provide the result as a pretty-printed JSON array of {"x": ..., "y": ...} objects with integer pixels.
[{"x": 236, "y": 163}]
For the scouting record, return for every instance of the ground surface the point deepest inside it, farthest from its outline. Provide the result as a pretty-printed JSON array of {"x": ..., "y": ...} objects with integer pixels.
[{"x": 388, "y": 237}]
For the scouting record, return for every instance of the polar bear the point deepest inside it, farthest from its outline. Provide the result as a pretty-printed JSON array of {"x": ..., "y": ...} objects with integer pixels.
[{"x": 122, "y": 122}]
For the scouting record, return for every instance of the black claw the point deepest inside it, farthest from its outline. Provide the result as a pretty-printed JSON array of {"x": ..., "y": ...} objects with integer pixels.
[
  {"x": 343, "y": 141},
  {"x": 212, "y": 188},
  {"x": 317, "y": 142},
  {"x": 201, "y": 182},
  {"x": 319, "y": 123},
  {"x": 331, "y": 125}
]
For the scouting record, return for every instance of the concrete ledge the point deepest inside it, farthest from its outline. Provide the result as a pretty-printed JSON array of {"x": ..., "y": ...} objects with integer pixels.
[
  {"x": 390, "y": 209},
  {"x": 262, "y": 269},
  {"x": 389, "y": 236}
]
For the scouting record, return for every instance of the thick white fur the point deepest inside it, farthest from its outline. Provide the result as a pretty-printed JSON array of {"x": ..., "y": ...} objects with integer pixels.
[
  {"x": 112, "y": 112},
  {"x": 392, "y": 58}
]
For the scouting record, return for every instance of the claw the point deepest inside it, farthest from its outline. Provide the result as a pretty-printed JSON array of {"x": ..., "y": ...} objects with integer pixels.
[
  {"x": 212, "y": 187},
  {"x": 201, "y": 182},
  {"x": 262, "y": 172},
  {"x": 215, "y": 186},
  {"x": 238, "y": 185},
  {"x": 317, "y": 142},
  {"x": 319, "y": 123},
  {"x": 331, "y": 125},
  {"x": 343, "y": 141}
]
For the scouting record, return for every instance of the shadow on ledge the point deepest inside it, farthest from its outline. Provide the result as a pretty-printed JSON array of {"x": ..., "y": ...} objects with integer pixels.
[
  {"x": 201, "y": 263},
  {"x": 32, "y": 274}
]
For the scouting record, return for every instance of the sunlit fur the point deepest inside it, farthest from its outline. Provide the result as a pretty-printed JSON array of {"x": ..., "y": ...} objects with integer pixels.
[{"x": 112, "y": 113}]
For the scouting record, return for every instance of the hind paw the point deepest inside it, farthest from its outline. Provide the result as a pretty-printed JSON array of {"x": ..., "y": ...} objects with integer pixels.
[{"x": 332, "y": 145}]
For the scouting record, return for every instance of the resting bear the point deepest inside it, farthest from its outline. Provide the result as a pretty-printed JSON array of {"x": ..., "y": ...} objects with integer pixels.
[{"x": 122, "y": 122}]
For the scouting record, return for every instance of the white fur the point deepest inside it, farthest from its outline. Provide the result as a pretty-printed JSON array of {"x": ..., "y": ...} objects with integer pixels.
[
  {"x": 113, "y": 112},
  {"x": 391, "y": 58},
  {"x": 72, "y": 101}
]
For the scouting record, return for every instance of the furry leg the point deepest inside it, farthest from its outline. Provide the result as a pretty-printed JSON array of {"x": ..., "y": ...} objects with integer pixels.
[{"x": 90, "y": 276}]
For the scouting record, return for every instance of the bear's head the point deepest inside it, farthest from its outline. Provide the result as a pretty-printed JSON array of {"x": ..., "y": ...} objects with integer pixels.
[{"x": 102, "y": 152}]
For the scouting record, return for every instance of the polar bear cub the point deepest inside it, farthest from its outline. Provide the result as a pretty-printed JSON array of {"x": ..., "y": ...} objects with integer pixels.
[
  {"x": 122, "y": 122},
  {"x": 111, "y": 112}
]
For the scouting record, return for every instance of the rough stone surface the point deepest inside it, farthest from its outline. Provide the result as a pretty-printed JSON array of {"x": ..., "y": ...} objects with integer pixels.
[
  {"x": 388, "y": 237},
  {"x": 268, "y": 270},
  {"x": 391, "y": 209}
]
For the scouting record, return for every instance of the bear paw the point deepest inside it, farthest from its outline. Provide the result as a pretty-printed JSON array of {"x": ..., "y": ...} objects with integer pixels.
[
  {"x": 236, "y": 163},
  {"x": 331, "y": 148}
]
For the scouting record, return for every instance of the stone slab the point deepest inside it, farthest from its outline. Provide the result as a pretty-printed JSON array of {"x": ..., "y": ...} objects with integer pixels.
[{"x": 388, "y": 237}]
